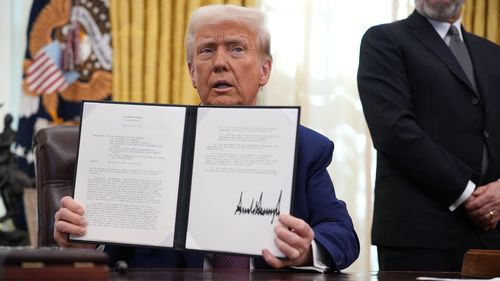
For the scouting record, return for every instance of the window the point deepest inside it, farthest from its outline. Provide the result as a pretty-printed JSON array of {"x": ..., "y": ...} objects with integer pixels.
[{"x": 13, "y": 22}]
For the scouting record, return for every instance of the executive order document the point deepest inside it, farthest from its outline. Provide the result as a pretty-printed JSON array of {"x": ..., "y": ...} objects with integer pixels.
[{"x": 187, "y": 177}]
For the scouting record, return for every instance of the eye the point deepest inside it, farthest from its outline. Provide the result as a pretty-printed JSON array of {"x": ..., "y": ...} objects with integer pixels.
[
  {"x": 206, "y": 51},
  {"x": 237, "y": 49}
]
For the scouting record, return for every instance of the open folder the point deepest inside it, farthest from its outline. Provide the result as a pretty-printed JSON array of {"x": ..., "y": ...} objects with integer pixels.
[{"x": 186, "y": 177}]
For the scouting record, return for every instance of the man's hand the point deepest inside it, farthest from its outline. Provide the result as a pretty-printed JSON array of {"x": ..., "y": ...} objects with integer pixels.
[
  {"x": 483, "y": 206},
  {"x": 69, "y": 220},
  {"x": 293, "y": 238}
]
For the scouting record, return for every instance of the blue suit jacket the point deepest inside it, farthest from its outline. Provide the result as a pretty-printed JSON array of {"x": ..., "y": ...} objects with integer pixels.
[{"x": 314, "y": 202}]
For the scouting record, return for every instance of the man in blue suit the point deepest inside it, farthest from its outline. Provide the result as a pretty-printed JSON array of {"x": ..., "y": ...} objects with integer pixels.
[
  {"x": 434, "y": 119},
  {"x": 228, "y": 54}
]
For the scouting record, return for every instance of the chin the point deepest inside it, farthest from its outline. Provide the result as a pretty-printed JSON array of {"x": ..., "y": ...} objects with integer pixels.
[
  {"x": 225, "y": 100},
  {"x": 442, "y": 10}
]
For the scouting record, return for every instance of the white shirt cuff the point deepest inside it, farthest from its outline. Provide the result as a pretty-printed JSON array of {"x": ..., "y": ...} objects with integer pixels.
[{"x": 465, "y": 195}]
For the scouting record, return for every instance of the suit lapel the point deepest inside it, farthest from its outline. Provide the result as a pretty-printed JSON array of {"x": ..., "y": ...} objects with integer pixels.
[{"x": 423, "y": 31}]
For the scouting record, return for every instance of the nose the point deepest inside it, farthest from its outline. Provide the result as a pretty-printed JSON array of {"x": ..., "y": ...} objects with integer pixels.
[{"x": 220, "y": 61}]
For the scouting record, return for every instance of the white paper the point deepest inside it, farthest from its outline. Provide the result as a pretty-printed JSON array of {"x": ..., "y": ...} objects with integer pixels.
[
  {"x": 128, "y": 172},
  {"x": 239, "y": 158}
]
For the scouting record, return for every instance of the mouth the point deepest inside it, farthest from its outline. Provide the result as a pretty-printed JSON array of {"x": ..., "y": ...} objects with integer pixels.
[{"x": 222, "y": 85}]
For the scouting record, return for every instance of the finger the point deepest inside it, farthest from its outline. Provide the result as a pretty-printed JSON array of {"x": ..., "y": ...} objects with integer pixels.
[
  {"x": 272, "y": 260},
  {"x": 295, "y": 232},
  {"x": 470, "y": 204},
  {"x": 483, "y": 213},
  {"x": 475, "y": 203},
  {"x": 288, "y": 235},
  {"x": 479, "y": 190},
  {"x": 61, "y": 238},
  {"x": 490, "y": 225},
  {"x": 299, "y": 234},
  {"x": 290, "y": 251},
  {"x": 482, "y": 200},
  {"x": 57, "y": 216},
  {"x": 483, "y": 225},
  {"x": 70, "y": 204},
  {"x": 68, "y": 228},
  {"x": 66, "y": 215},
  {"x": 485, "y": 221},
  {"x": 481, "y": 221},
  {"x": 486, "y": 197},
  {"x": 299, "y": 226},
  {"x": 491, "y": 190},
  {"x": 494, "y": 225},
  {"x": 491, "y": 217},
  {"x": 292, "y": 245}
]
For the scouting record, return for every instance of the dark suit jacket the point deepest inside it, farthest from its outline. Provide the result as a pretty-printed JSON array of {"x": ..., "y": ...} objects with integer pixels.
[
  {"x": 314, "y": 202},
  {"x": 428, "y": 127}
]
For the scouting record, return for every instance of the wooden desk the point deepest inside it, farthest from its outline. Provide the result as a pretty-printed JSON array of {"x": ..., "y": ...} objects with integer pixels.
[{"x": 194, "y": 275}]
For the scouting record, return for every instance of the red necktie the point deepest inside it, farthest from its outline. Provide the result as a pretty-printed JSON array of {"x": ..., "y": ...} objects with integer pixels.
[{"x": 230, "y": 262}]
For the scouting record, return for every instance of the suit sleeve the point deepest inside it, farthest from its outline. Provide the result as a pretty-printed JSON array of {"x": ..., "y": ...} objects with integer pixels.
[
  {"x": 386, "y": 96},
  {"x": 329, "y": 219}
]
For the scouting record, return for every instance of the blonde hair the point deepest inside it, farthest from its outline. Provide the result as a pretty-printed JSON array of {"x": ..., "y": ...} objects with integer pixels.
[{"x": 251, "y": 18}]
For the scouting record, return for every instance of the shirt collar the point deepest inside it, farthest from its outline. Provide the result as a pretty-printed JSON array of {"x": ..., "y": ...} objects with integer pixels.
[{"x": 442, "y": 27}]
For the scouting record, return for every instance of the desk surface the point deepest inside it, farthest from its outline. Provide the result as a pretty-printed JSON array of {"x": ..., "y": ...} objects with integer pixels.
[{"x": 193, "y": 274}]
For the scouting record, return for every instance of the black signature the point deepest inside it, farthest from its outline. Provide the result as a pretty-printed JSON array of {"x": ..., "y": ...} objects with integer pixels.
[{"x": 258, "y": 210}]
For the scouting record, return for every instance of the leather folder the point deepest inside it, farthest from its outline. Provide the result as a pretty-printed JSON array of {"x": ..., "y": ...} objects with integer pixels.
[
  {"x": 52, "y": 264},
  {"x": 481, "y": 263}
]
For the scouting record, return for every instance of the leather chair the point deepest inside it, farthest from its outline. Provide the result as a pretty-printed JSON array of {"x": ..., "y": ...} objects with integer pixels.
[{"x": 55, "y": 152}]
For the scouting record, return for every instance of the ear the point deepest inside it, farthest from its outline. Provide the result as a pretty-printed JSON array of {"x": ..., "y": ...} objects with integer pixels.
[
  {"x": 192, "y": 75},
  {"x": 265, "y": 71}
]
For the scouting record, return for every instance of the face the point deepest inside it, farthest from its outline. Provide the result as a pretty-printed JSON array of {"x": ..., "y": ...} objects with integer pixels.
[
  {"x": 440, "y": 10},
  {"x": 227, "y": 67}
]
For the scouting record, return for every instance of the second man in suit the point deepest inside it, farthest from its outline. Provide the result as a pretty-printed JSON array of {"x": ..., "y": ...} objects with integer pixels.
[{"x": 433, "y": 113}]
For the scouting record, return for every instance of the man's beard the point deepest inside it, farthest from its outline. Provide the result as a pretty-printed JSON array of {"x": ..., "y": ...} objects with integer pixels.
[{"x": 440, "y": 10}]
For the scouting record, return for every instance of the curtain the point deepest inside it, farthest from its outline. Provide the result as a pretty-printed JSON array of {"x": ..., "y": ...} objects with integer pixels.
[
  {"x": 482, "y": 17},
  {"x": 149, "y": 59}
]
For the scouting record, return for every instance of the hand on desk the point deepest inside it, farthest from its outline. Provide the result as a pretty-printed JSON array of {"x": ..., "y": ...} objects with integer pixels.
[
  {"x": 69, "y": 220},
  {"x": 293, "y": 237},
  {"x": 483, "y": 206}
]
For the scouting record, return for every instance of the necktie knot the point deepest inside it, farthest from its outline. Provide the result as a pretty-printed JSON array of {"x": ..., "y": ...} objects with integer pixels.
[{"x": 453, "y": 31}]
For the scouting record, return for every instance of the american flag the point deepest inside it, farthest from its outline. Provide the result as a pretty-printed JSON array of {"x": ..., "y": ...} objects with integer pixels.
[{"x": 44, "y": 76}]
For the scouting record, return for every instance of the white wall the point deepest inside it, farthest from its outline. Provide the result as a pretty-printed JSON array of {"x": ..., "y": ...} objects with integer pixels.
[{"x": 14, "y": 16}]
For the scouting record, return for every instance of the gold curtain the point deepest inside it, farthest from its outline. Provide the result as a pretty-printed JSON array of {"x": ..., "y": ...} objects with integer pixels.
[
  {"x": 482, "y": 17},
  {"x": 149, "y": 58}
]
